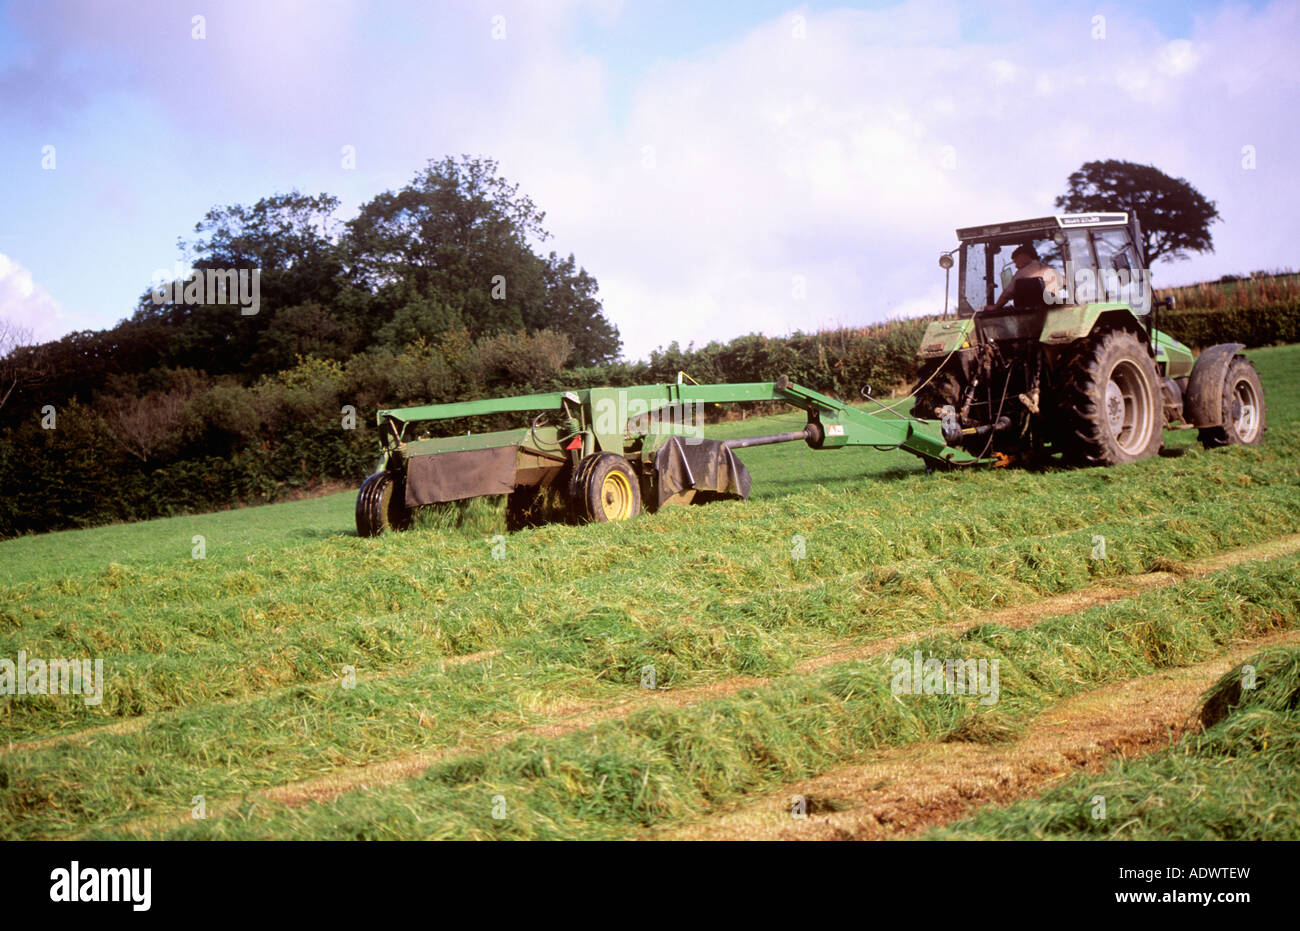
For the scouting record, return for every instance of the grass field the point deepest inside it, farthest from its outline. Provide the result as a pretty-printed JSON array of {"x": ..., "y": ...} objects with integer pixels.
[{"x": 298, "y": 681}]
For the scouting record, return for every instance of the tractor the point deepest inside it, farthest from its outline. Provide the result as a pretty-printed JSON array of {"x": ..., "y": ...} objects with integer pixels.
[{"x": 1079, "y": 368}]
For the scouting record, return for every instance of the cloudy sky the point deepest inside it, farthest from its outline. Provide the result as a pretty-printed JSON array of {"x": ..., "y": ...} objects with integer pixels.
[{"x": 719, "y": 167}]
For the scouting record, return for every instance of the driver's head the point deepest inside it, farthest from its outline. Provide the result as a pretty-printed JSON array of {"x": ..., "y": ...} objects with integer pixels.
[{"x": 1024, "y": 255}]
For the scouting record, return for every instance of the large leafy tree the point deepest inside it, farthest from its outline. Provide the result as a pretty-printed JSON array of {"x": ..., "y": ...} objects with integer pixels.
[
  {"x": 292, "y": 238},
  {"x": 1175, "y": 217},
  {"x": 293, "y": 242},
  {"x": 455, "y": 249},
  {"x": 450, "y": 253}
]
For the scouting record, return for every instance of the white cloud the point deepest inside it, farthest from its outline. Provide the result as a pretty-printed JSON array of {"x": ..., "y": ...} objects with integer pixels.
[
  {"x": 25, "y": 303},
  {"x": 824, "y": 157}
]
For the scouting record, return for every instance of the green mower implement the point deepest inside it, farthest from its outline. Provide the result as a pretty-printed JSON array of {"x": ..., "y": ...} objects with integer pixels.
[{"x": 605, "y": 454}]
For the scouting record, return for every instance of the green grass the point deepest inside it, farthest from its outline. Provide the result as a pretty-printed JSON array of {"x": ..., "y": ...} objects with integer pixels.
[
  {"x": 72, "y": 553},
  {"x": 238, "y": 657},
  {"x": 1235, "y": 781},
  {"x": 597, "y": 784}
]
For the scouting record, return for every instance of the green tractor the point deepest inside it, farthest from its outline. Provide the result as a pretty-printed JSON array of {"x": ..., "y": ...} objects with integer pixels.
[{"x": 1038, "y": 362}]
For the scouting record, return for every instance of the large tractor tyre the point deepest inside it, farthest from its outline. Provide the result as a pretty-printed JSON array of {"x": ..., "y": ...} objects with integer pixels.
[
  {"x": 381, "y": 505},
  {"x": 1243, "y": 409},
  {"x": 606, "y": 489},
  {"x": 1112, "y": 409},
  {"x": 934, "y": 388}
]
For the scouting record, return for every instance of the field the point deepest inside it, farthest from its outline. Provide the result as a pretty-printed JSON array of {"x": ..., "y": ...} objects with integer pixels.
[{"x": 709, "y": 672}]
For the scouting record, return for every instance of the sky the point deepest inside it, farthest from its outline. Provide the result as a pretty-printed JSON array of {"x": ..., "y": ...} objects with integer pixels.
[{"x": 719, "y": 168}]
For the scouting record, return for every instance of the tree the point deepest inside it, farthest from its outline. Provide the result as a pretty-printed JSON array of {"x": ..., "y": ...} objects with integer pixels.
[
  {"x": 1175, "y": 217},
  {"x": 143, "y": 425},
  {"x": 12, "y": 338},
  {"x": 291, "y": 237},
  {"x": 292, "y": 241},
  {"x": 456, "y": 246},
  {"x": 572, "y": 308}
]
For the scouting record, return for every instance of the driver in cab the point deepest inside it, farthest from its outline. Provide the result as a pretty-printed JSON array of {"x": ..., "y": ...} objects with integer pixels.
[{"x": 1028, "y": 265}]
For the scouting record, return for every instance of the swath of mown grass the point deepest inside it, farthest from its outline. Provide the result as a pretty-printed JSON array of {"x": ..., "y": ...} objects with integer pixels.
[
  {"x": 1234, "y": 781},
  {"x": 579, "y": 657},
  {"x": 664, "y": 764},
  {"x": 305, "y": 730},
  {"x": 748, "y": 620}
]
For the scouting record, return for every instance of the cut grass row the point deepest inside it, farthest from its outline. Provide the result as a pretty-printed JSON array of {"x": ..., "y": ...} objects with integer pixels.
[
  {"x": 803, "y": 723},
  {"x": 1234, "y": 781},
  {"x": 605, "y": 601},
  {"x": 665, "y": 764},
  {"x": 599, "y": 648}
]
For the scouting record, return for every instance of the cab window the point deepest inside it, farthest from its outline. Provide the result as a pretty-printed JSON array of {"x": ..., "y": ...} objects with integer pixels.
[{"x": 1120, "y": 277}]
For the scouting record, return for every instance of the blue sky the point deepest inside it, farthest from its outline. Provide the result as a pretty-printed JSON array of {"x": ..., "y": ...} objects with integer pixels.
[{"x": 698, "y": 159}]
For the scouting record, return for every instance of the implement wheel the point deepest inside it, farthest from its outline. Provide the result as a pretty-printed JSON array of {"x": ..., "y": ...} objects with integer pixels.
[
  {"x": 381, "y": 506},
  {"x": 606, "y": 489}
]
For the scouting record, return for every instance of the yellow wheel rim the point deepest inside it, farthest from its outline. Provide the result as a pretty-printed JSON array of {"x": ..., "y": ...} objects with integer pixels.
[{"x": 616, "y": 496}]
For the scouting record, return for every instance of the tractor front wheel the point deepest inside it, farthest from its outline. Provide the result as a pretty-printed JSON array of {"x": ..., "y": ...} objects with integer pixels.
[{"x": 1112, "y": 407}]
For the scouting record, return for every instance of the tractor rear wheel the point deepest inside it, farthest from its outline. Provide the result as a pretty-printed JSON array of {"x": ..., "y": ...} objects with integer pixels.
[
  {"x": 606, "y": 489},
  {"x": 1112, "y": 410},
  {"x": 1243, "y": 409},
  {"x": 381, "y": 505}
]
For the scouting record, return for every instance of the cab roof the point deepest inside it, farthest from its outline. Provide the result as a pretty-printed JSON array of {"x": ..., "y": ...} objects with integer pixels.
[{"x": 1044, "y": 224}]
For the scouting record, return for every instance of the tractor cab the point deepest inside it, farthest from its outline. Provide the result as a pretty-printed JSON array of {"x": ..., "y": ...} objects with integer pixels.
[{"x": 1096, "y": 257}]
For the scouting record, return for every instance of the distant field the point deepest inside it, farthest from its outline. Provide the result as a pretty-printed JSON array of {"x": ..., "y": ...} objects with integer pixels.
[{"x": 308, "y": 683}]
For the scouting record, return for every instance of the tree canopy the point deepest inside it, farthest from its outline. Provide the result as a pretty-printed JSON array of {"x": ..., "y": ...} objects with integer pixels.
[
  {"x": 452, "y": 258},
  {"x": 1175, "y": 217},
  {"x": 455, "y": 248}
]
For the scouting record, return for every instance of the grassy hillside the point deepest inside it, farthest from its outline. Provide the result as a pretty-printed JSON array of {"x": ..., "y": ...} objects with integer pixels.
[{"x": 521, "y": 676}]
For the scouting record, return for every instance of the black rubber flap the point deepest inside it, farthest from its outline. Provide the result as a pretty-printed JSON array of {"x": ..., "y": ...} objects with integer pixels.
[
  {"x": 468, "y": 473},
  {"x": 700, "y": 465}
]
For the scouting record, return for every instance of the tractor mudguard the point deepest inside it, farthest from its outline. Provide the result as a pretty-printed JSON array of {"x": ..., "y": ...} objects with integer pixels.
[
  {"x": 1203, "y": 404},
  {"x": 945, "y": 336},
  {"x": 1069, "y": 322}
]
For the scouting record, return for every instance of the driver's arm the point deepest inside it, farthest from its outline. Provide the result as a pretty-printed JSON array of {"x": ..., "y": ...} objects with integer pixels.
[{"x": 1006, "y": 296}]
